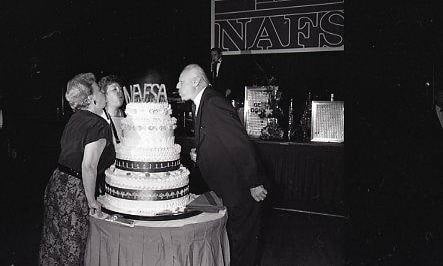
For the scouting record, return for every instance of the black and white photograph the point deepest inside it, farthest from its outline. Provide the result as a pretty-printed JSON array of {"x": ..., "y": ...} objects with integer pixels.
[{"x": 221, "y": 133}]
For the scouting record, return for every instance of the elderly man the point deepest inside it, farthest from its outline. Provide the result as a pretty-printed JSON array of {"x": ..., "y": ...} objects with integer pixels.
[{"x": 227, "y": 162}]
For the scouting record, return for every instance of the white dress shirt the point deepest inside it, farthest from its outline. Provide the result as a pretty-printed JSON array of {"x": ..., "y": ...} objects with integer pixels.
[
  {"x": 218, "y": 66},
  {"x": 197, "y": 100}
]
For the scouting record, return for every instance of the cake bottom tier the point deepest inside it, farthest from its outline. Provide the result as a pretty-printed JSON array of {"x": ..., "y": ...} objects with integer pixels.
[{"x": 143, "y": 207}]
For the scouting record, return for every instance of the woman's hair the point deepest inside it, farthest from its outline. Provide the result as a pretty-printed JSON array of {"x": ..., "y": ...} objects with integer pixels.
[
  {"x": 79, "y": 89},
  {"x": 108, "y": 80}
]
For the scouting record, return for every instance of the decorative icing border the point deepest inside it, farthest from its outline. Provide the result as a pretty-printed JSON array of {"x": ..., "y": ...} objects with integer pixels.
[
  {"x": 150, "y": 167},
  {"x": 149, "y": 195},
  {"x": 147, "y": 181}
]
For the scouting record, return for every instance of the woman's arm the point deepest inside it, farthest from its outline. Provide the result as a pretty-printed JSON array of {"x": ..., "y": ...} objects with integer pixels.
[{"x": 91, "y": 157}]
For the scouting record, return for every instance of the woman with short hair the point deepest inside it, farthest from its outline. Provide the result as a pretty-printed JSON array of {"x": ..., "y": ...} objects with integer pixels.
[
  {"x": 111, "y": 87},
  {"x": 86, "y": 151},
  {"x": 112, "y": 113}
]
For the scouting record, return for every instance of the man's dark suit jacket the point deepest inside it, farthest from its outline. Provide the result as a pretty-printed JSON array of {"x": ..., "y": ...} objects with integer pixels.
[{"x": 225, "y": 156}]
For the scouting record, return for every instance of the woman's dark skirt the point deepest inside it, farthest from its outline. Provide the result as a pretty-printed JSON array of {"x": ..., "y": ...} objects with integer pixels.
[{"x": 65, "y": 221}]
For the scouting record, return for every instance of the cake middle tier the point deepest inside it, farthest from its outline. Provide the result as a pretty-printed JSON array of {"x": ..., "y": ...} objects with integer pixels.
[
  {"x": 147, "y": 181},
  {"x": 142, "y": 154},
  {"x": 148, "y": 132}
]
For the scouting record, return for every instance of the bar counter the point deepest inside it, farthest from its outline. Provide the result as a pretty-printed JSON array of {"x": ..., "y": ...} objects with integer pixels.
[{"x": 303, "y": 176}]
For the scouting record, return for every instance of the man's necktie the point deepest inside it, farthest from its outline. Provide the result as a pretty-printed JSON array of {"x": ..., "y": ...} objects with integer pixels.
[{"x": 194, "y": 110}]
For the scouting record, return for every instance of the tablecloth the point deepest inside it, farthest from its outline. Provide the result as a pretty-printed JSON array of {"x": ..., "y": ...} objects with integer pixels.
[{"x": 197, "y": 240}]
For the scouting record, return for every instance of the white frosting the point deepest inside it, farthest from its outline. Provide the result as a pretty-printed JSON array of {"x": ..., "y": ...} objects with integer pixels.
[
  {"x": 143, "y": 208},
  {"x": 148, "y": 181},
  {"x": 148, "y": 132},
  {"x": 148, "y": 125},
  {"x": 151, "y": 110},
  {"x": 140, "y": 154},
  {"x": 148, "y": 136}
]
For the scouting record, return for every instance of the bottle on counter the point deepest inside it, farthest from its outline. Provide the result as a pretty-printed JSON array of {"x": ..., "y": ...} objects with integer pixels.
[
  {"x": 291, "y": 120},
  {"x": 305, "y": 120},
  {"x": 190, "y": 124}
]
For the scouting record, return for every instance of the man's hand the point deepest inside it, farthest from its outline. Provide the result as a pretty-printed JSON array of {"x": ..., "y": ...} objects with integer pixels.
[
  {"x": 259, "y": 193},
  {"x": 193, "y": 155},
  {"x": 227, "y": 92}
]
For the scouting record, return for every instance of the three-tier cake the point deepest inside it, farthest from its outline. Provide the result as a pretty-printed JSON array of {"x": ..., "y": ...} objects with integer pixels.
[{"x": 147, "y": 178}]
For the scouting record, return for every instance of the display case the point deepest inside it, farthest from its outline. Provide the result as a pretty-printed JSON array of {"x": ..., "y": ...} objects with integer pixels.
[
  {"x": 327, "y": 121},
  {"x": 258, "y": 110}
]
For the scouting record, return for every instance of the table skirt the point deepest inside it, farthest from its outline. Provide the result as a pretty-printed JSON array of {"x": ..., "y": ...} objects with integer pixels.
[{"x": 199, "y": 240}]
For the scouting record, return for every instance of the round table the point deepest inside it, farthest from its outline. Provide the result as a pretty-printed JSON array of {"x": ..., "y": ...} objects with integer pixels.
[{"x": 197, "y": 240}]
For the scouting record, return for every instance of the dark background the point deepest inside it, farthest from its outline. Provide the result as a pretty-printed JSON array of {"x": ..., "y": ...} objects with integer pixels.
[
  {"x": 48, "y": 43},
  {"x": 387, "y": 77}
]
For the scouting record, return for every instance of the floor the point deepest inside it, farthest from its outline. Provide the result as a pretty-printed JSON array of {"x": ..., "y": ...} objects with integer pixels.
[{"x": 293, "y": 238}]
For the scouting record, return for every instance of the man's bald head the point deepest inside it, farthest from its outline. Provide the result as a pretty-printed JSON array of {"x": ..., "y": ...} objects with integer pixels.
[
  {"x": 195, "y": 71},
  {"x": 191, "y": 81}
]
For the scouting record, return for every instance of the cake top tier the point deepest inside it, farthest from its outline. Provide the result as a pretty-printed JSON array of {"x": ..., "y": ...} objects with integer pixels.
[
  {"x": 148, "y": 109},
  {"x": 145, "y": 93}
]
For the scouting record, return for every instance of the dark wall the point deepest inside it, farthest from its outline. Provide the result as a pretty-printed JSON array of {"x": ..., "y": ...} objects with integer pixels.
[
  {"x": 48, "y": 43},
  {"x": 394, "y": 143}
]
